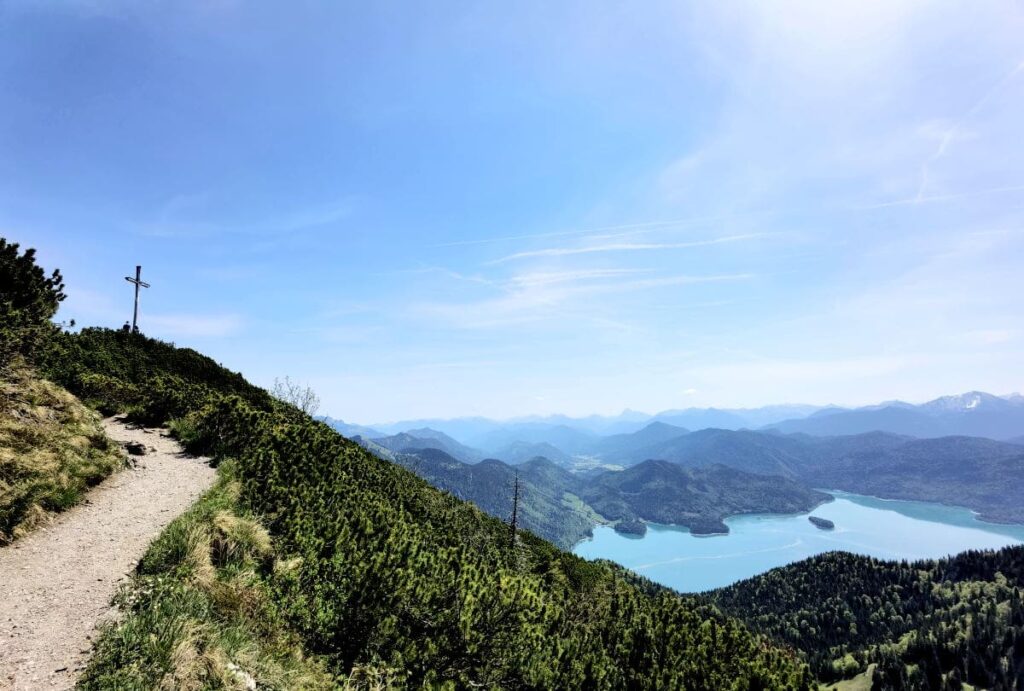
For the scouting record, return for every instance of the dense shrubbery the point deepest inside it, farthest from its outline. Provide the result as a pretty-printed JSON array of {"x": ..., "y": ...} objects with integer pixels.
[
  {"x": 28, "y": 299},
  {"x": 927, "y": 624},
  {"x": 121, "y": 370},
  {"x": 394, "y": 579},
  {"x": 198, "y": 614},
  {"x": 51, "y": 447}
]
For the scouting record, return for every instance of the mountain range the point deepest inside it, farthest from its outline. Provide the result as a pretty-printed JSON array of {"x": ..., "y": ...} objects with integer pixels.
[
  {"x": 426, "y": 438},
  {"x": 970, "y": 414},
  {"x": 945, "y": 451},
  {"x": 974, "y": 414},
  {"x": 982, "y": 474}
]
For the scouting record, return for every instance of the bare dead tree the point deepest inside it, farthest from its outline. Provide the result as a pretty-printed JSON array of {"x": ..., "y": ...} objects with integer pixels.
[
  {"x": 515, "y": 514},
  {"x": 302, "y": 397}
]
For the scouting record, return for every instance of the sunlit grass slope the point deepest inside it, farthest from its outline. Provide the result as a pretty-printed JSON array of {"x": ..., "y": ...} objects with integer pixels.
[{"x": 52, "y": 449}]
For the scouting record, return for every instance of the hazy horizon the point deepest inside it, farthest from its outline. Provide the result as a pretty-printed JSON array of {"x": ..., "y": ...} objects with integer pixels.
[
  {"x": 646, "y": 413},
  {"x": 535, "y": 209}
]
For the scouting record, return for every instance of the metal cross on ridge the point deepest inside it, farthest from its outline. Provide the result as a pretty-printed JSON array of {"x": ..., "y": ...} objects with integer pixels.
[{"x": 138, "y": 282}]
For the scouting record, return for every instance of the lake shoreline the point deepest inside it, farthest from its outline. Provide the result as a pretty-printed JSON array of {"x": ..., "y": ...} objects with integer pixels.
[
  {"x": 978, "y": 515},
  {"x": 885, "y": 529},
  {"x": 684, "y": 528}
]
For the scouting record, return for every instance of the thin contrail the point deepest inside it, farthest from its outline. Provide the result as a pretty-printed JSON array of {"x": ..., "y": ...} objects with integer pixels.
[
  {"x": 940, "y": 151},
  {"x": 626, "y": 247},
  {"x": 604, "y": 229},
  {"x": 943, "y": 197}
]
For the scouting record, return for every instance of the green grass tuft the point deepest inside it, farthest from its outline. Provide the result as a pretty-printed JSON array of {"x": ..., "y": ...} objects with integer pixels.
[
  {"x": 198, "y": 613},
  {"x": 52, "y": 449}
]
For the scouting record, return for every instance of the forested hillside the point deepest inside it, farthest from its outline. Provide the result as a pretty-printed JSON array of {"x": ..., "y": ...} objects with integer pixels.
[
  {"x": 564, "y": 507},
  {"x": 699, "y": 498},
  {"x": 426, "y": 438},
  {"x": 981, "y": 474},
  {"x": 926, "y": 625},
  {"x": 548, "y": 506}
]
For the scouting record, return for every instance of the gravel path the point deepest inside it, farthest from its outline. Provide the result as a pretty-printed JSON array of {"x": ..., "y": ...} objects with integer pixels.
[{"x": 56, "y": 583}]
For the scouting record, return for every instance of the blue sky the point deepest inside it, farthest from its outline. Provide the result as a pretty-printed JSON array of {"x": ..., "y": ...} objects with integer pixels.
[{"x": 523, "y": 208}]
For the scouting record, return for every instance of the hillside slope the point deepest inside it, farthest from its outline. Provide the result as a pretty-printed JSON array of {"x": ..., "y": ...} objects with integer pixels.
[
  {"x": 546, "y": 498},
  {"x": 564, "y": 507},
  {"x": 699, "y": 498},
  {"x": 372, "y": 571},
  {"x": 426, "y": 438},
  {"x": 52, "y": 449},
  {"x": 926, "y": 625},
  {"x": 981, "y": 474}
]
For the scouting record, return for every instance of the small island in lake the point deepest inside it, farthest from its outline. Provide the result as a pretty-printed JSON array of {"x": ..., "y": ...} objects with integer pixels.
[
  {"x": 822, "y": 523},
  {"x": 631, "y": 526}
]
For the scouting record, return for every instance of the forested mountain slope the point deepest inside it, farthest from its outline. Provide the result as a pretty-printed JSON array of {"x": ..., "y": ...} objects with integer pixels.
[
  {"x": 699, "y": 498},
  {"x": 426, "y": 438},
  {"x": 548, "y": 505},
  {"x": 928, "y": 624},
  {"x": 522, "y": 451},
  {"x": 563, "y": 506},
  {"x": 981, "y": 474}
]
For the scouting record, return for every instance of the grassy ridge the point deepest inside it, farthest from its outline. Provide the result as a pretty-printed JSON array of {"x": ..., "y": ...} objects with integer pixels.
[
  {"x": 374, "y": 574},
  {"x": 52, "y": 449}
]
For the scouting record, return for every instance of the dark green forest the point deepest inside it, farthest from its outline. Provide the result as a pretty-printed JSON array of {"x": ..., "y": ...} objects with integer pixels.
[{"x": 933, "y": 624}]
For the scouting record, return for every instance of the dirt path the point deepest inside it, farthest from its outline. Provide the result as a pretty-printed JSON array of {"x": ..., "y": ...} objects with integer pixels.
[{"x": 56, "y": 583}]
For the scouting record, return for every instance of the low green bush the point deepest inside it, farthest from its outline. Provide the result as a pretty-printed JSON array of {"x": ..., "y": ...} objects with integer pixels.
[
  {"x": 199, "y": 612},
  {"x": 381, "y": 576}
]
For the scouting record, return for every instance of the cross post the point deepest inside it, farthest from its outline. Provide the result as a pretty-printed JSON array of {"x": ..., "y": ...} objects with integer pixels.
[{"x": 138, "y": 282}]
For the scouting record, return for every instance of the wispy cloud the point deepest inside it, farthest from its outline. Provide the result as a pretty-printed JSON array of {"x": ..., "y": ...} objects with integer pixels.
[
  {"x": 544, "y": 278},
  {"x": 955, "y": 129},
  {"x": 173, "y": 220},
  {"x": 440, "y": 271},
  {"x": 538, "y": 297},
  {"x": 936, "y": 198},
  {"x": 626, "y": 247},
  {"x": 617, "y": 230}
]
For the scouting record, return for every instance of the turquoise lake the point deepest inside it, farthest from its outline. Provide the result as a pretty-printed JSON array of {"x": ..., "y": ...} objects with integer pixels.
[{"x": 881, "y": 528}]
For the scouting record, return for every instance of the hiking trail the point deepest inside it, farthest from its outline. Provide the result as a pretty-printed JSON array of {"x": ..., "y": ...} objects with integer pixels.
[{"x": 56, "y": 583}]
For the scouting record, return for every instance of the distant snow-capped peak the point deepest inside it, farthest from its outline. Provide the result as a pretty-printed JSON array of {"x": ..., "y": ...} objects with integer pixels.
[{"x": 965, "y": 402}]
